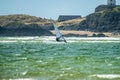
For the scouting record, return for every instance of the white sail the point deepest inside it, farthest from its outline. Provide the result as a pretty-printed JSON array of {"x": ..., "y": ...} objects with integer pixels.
[{"x": 59, "y": 36}]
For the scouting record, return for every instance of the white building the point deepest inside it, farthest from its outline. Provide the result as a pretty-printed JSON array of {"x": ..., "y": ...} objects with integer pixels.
[{"x": 111, "y": 2}]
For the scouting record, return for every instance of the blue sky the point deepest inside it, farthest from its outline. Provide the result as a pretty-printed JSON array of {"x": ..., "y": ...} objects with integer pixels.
[{"x": 50, "y": 8}]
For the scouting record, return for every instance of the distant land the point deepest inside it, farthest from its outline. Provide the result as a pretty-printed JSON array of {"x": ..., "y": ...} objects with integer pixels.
[{"x": 105, "y": 21}]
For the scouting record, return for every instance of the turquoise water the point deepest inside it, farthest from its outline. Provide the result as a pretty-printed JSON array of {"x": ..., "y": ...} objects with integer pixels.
[{"x": 41, "y": 59}]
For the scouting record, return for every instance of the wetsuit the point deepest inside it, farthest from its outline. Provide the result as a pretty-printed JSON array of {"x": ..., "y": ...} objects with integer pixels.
[{"x": 57, "y": 39}]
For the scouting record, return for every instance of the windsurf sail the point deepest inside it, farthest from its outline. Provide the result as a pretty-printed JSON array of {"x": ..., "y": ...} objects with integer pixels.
[{"x": 59, "y": 36}]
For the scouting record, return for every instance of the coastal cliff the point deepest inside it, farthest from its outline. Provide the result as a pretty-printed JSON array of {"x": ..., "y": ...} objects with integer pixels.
[
  {"x": 105, "y": 19},
  {"x": 23, "y": 25}
]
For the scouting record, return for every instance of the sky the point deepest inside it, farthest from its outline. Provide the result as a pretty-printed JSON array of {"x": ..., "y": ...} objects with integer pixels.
[{"x": 50, "y": 8}]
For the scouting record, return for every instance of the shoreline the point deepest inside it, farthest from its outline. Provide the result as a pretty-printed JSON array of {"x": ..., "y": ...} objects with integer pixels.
[{"x": 73, "y": 33}]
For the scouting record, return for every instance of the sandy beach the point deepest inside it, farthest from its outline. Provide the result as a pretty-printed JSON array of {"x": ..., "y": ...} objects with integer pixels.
[{"x": 88, "y": 33}]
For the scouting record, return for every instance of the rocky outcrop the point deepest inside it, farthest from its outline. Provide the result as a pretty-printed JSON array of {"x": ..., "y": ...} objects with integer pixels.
[
  {"x": 20, "y": 29},
  {"x": 24, "y": 25},
  {"x": 103, "y": 20},
  {"x": 104, "y": 8},
  {"x": 6, "y": 19},
  {"x": 68, "y": 17}
]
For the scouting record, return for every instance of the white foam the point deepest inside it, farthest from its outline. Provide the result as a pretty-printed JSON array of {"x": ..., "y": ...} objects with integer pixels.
[
  {"x": 5, "y": 41},
  {"x": 106, "y": 76},
  {"x": 117, "y": 57},
  {"x": 21, "y": 79},
  {"x": 51, "y": 39},
  {"x": 24, "y": 73},
  {"x": 22, "y": 38},
  {"x": 24, "y": 79}
]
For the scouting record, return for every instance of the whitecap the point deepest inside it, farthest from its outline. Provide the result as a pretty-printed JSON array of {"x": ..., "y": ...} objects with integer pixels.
[
  {"x": 17, "y": 54},
  {"x": 24, "y": 73},
  {"x": 106, "y": 76},
  {"x": 24, "y": 79},
  {"x": 40, "y": 61},
  {"x": 67, "y": 68},
  {"x": 5, "y": 41},
  {"x": 51, "y": 39},
  {"x": 117, "y": 57}
]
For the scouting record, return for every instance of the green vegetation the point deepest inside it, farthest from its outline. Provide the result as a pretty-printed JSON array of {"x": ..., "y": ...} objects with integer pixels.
[
  {"x": 20, "y": 18},
  {"x": 71, "y": 22},
  {"x": 22, "y": 25},
  {"x": 106, "y": 8},
  {"x": 116, "y": 9}
]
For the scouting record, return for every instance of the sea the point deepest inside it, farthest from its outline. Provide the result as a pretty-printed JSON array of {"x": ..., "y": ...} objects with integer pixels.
[{"x": 42, "y": 58}]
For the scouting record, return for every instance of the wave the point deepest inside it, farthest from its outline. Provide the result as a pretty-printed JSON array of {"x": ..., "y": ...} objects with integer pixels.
[
  {"x": 51, "y": 39},
  {"x": 106, "y": 76},
  {"x": 101, "y": 76}
]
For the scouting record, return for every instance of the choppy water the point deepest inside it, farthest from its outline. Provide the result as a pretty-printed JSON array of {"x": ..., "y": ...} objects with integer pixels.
[{"x": 41, "y": 58}]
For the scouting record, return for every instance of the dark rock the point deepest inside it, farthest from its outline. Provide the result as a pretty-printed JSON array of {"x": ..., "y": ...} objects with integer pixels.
[
  {"x": 104, "y": 8},
  {"x": 68, "y": 17},
  {"x": 75, "y": 35},
  {"x": 98, "y": 35},
  {"x": 94, "y": 35},
  {"x": 24, "y": 30}
]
